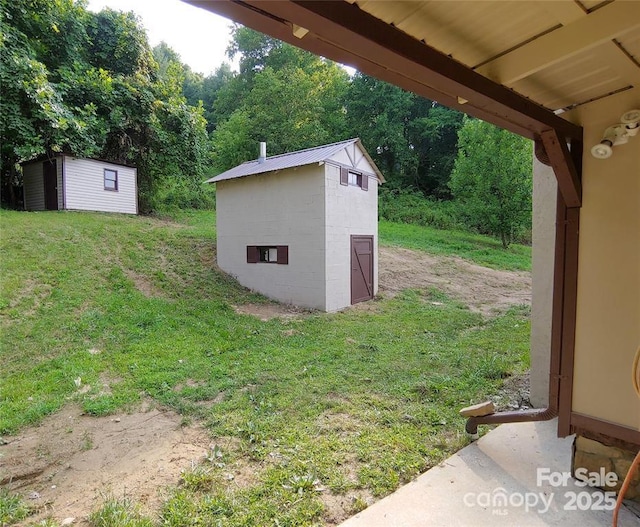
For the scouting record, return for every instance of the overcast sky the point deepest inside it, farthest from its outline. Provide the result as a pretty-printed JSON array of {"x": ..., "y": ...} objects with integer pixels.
[{"x": 198, "y": 36}]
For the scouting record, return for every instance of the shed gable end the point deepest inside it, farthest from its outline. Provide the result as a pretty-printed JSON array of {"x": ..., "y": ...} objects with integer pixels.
[{"x": 353, "y": 157}]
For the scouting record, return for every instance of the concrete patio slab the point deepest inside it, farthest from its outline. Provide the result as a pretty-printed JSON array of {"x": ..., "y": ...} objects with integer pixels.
[{"x": 510, "y": 477}]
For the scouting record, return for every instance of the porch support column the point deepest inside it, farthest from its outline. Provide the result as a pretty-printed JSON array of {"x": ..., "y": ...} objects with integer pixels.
[{"x": 545, "y": 192}]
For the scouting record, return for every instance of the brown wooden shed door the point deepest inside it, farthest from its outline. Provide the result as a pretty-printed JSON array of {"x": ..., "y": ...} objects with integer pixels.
[
  {"x": 361, "y": 268},
  {"x": 50, "y": 175}
]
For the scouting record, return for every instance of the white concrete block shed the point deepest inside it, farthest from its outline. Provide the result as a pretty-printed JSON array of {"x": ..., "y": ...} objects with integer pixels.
[
  {"x": 65, "y": 182},
  {"x": 302, "y": 227}
]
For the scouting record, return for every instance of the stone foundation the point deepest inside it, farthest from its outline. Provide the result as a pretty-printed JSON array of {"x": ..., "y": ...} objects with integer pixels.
[{"x": 596, "y": 457}]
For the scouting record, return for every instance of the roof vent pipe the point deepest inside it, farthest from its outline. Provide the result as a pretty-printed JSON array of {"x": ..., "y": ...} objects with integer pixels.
[{"x": 263, "y": 152}]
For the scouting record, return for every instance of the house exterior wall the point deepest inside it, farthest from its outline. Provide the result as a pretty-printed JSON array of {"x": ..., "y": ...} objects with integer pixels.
[
  {"x": 33, "y": 184},
  {"x": 84, "y": 187},
  {"x": 349, "y": 211},
  {"x": 608, "y": 304},
  {"x": 275, "y": 209},
  {"x": 545, "y": 193}
]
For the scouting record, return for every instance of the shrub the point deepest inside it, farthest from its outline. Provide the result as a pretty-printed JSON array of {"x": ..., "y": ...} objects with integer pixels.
[
  {"x": 175, "y": 193},
  {"x": 410, "y": 206}
]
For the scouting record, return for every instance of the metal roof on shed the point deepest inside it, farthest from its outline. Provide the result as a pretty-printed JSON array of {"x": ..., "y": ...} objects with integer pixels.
[
  {"x": 47, "y": 157},
  {"x": 308, "y": 156}
]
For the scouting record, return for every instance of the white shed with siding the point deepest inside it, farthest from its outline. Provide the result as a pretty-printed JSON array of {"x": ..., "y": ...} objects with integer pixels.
[
  {"x": 71, "y": 183},
  {"x": 302, "y": 228}
]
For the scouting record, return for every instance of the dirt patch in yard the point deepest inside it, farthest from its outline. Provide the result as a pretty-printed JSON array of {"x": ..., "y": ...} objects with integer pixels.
[
  {"x": 31, "y": 291},
  {"x": 484, "y": 290},
  {"x": 268, "y": 311},
  {"x": 340, "y": 507},
  {"x": 143, "y": 284},
  {"x": 68, "y": 465}
]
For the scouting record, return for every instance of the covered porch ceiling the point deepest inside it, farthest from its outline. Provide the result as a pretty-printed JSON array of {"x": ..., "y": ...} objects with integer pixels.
[
  {"x": 559, "y": 54},
  {"x": 517, "y": 64}
]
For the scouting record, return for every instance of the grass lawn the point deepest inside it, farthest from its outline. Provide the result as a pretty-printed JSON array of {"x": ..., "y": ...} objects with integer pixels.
[
  {"x": 348, "y": 404},
  {"x": 473, "y": 247}
]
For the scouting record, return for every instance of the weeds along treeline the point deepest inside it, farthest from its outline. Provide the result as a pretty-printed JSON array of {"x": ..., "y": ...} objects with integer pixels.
[{"x": 89, "y": 84}]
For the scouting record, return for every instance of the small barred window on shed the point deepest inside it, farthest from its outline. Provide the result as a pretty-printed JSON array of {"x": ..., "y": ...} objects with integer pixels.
[{"x": 276, "y": 254}]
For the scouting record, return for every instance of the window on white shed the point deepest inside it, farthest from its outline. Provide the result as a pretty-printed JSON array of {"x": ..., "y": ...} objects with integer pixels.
[
  {"x": 353, "y": 178},
  {"x": 268, "y": 254},
  {"x": 110, "y": 179},
  {"x": 277, "y": 254}
]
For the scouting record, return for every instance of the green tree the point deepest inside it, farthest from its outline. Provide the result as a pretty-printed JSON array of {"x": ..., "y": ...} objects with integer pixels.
[
  {"x": 290, "y": 109},
  {"x": 432, "y": 131},
  {"x": 212, "y": 87},
  {"x": 179, "y": 145},
  {"x": 87, "y": 84},
  {"x": 118, "y": 43},
  {"x": 378, "y": 113},
  {"x": 492, "y": 179},
  {"x": 282, "y": 95},
  {"x": 233, "y": 143},
  {"x": 412, "y": 139},
  {"x": 35, "y": 118},
  {"x": 257, "y": 51}
]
